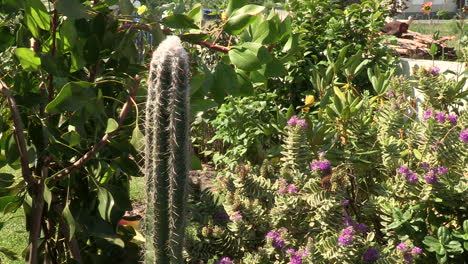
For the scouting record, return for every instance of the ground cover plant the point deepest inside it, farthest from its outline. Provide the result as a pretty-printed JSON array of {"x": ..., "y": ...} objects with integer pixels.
[{"x": 321, "y": 152}]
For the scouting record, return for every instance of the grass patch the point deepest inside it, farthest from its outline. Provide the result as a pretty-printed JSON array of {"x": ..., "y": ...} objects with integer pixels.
[
  {"x": 13, "y": 234},
  {"x": 444, "y": 30}
]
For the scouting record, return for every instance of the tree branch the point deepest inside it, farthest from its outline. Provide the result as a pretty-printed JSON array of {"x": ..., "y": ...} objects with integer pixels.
[
  {"x": 19, "y": 134},
  {"x": 166, "y": 31},
  {"x": 105, "y": 139}
]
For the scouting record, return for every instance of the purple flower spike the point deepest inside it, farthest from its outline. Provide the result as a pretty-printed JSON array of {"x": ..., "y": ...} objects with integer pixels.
[
  {"x": 292, "y": 120},
  {"x": 427, "y": 114},
  {"x": 303, "y": 253},
  {"x": 464, "y": 136},
  {"x": 440, "y": 117},
  {"x": 346, "y": 238},
  {"x": 408, "y": 258},
  {"x": 442, "y": 170},
  {"x": 412, "y": 177},
  {"x": 323, "y": 166},
  {"x": 416, "y": 251},
  {"x": 272, "y": 235},
  {"x": 225, "y": 260},
  {"x": 279, "y": 243},
  {"x": 290, "y": 251},
  {"x": 301, "y": 123},
  {"x": 236, "y": 216},
  {"x": 370, "y": 255},
  {"x": 295, "y": 259},
  {"x": 346, "y": 203},
  {"x": 453, "y": 118},
  {"x": 321, "y": 154},
  {"x": 431, "y": 177},
  {"x": 292, "y": 188},
  {"x": 402, "y": 247},
  {"x": 361, "y": 228},
  {"x": 403, "y": 169},
  {"x": 434, "y": 71}
]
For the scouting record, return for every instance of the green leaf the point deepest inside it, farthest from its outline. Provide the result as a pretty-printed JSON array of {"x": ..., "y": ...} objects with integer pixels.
[
  {"x": 112, "y": 125},
  {"x": 126, "y": 7},
  {"x": 6, "y": 202},
  {"x": 249, "y": 56},
  {"x": 47, "y": 196},
  {"x": 196, "y": 163},
  {"x": 241, "y": 18},
  {"x": 106, "y": 202},
  {"x": 433, "y": 50},
  {"x": 70, "y": 220},
  {"x": 72, "y": 138},
  {"x": 201, "y": 105},
  {"x": 196, "y": 13},
  {"x": 225, "y": 81},
  {"x": 417, "y": 154},
  {"x": 234, "y": 5},
  {"x": 178, "y": 21},
  {"x": 36, "y": 17},
  {"x": 137, "y": 139},
  {"x": 73, "y": 9},
  {"x": 275, "y": 69},
  {"x": 28, "y": 59},
  {"x": 72, "y": 97}
]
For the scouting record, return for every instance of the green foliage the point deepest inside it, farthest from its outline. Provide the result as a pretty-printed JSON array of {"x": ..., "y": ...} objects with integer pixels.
[
  {"x": 166, "y": 152},
  {"x": 367, "y": 192},
  {"x": 249, "y": 128}
]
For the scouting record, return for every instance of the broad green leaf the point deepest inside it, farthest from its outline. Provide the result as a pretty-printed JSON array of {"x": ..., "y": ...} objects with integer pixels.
[
  {"x": 245, "y": 84},
  {"x": 126, "y": 7},
  {"x": 275, "y": 69},
  {"x": 433, "y": 50},
  {"x": 28, "y": 59},
  {"x": 112, "y": 125},
  {"x": 70, "y": 220},
  {"x": 196, "y": 13},
  {"x": 6, "y": 180},
  {"x": 241, "y": 18},
  {"x": 340, "y": 94},
  {"x": 201, "y": 105},
  {"x": 36, "y": 17},
  {"x": 137, "y": 139},
  {"x": 73, "y": 9},
  {"x": 72, "y": 138},
  {"x": 196, "y": 163},
  {"x": 235, "y": 4},
  {"x": 5, "y": 203},
  {"x": 417, "y": 154},
  {"x": 72, "y": 97},
  {"x": 249, "y": 56},
  {"x": 106, "y": 202},
  {"x": 178, "y": 21},
  {"x": 225, "y": 81},
  {"x": 47, "y": 196}
]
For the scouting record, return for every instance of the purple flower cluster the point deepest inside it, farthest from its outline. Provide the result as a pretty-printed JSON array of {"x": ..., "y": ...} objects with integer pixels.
[
  {"x": 296, "y": 257},
  {"x": 464, "y": 136},
  {"x": 408, "y": 254},
  {"x": 276, "y": 240},
  {"x": 287, "y": 188},
  {"x": 323, "y": 166},
  {"x": 410, "y": 176},
  {"x": 370, "y": 255},
  {"x": 441, "y": 117},
  {"x": 347, "y": 236},
  {"x": 236, "y": 216},
  {"x": 294, "y": 121},
  {"x": 434, "y": 71},
  {"x": 225, "y": 260}
]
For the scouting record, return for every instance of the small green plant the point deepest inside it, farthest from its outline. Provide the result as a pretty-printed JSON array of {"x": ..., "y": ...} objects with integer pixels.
[{"x": 166, "y": 153}]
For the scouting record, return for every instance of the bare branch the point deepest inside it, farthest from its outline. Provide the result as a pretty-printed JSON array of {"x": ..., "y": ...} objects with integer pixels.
[
  {"x": 105, "y": 139},
  {"x": 19, "y": 133}
]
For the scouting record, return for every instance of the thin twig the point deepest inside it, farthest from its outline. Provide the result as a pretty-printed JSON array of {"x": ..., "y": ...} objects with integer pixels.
[
  {"x": 19, "y": 134},
  {"x": 166, "y": 31},
  {"x": 105, "y": 139}
]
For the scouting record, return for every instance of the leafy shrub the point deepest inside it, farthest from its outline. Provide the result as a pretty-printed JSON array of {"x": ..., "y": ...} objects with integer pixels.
[
  {"x": 384, "y": 184},
  {"x": 443, "y": 14}
]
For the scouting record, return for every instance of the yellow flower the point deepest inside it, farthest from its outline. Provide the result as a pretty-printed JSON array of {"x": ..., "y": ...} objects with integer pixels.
[
  {"x": 224, "y": 16},
  {"x": 310, "y": 99},
  {"x": 427, "y": 8}
]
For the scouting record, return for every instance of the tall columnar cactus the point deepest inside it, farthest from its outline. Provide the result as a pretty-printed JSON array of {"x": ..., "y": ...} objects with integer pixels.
[{"x": 166, "y": 152}]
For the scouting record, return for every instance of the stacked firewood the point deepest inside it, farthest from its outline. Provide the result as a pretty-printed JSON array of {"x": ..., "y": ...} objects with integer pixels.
[{"x": 415, "y": 45}]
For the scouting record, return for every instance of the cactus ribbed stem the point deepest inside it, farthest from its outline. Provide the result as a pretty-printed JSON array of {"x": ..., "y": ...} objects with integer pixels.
[{"x": 166, "y": 153}]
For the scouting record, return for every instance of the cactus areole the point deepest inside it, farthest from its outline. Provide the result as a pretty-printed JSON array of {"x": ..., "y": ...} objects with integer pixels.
[{"x": 166, "y": 153}]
